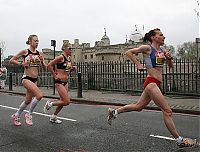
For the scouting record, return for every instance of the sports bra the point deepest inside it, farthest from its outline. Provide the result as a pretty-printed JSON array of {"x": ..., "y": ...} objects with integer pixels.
[
  {"x": 155, "y": 59},
  {"x": 32, "y": 58},
  {"x": 66, "y": 64}
]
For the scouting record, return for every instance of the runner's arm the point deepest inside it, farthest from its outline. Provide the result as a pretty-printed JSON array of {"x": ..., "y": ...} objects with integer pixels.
[
  {"x": 52, "y": 63},
  {"x": 132, "y": 53},
  {"x": 169, "y": 59},
  {"x": 41, "y": 56},
  {"x": 14, "y": 59}
]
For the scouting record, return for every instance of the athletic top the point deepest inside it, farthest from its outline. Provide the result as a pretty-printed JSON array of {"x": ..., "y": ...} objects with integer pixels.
[
  {"x": 32, "y": 58},
  {"x": 155, "y": 59},
  {"x": 66, "y": 64}
]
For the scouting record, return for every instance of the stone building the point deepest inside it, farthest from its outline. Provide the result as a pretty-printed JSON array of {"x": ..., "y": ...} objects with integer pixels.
[{"x": 102, "y": 51}]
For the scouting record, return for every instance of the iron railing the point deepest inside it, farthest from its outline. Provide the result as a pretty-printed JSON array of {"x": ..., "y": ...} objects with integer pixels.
[{"x": 183, "y": 79}]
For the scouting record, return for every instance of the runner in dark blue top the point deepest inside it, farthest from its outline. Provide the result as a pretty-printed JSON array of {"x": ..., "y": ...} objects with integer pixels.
[{"x": 154, "y": 58}]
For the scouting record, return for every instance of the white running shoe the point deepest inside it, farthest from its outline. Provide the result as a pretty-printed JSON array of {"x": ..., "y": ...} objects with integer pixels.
[
  {"x": 187, "y": 142},
  {"x": 15, "y": 120},
  {"x": 47, "y": 106},
  {"x": 28, "y": 118},
  {"x": 111, "y": 115},
  {"x": 54, "y": 119}
]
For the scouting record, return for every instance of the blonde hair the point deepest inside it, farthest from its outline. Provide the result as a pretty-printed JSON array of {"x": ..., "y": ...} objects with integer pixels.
[
  {"x": 65, "y": 45},
  {"x": 30, "y": 38}
]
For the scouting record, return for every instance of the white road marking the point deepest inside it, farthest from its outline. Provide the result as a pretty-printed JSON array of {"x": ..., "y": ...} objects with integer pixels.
[
  {"x": 162, "y": 137},
  {"x": 37, "y": 113}
]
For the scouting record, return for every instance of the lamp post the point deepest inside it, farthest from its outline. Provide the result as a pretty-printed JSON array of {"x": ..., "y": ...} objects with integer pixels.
[{"x": 53, "y": 43}]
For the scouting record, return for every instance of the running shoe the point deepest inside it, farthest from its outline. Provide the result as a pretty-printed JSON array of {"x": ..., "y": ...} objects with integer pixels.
[
  {"x": 111, "y": 115},
  {"x": 47, "y": 106},
  {"x": 28, "y": 118},
  {"x": 15, "y": 120},
  {"x": 54, "y": 119},
  {"x": 187, "y": 142}
]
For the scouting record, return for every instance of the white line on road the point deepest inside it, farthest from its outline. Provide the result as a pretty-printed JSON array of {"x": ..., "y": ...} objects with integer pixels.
[
  {"x": 162, "y": 137},
  {"x": 37, "y": 113}
]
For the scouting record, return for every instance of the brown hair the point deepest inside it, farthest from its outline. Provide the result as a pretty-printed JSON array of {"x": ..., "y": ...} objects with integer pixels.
[
  {"x": 65, "y": 45},
  {"x": 147, "y": 36},
  {"x": 30, "y": 38}
]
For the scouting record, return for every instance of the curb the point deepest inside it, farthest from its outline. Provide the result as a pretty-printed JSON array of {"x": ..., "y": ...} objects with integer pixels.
[
  {"x": 90, "y": 102},
  {"x": 175, "y": 110}
]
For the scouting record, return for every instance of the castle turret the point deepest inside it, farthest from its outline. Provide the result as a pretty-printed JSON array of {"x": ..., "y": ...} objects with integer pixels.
[
  {"x": 105, "y": 39},
  {"x": 77, "y": 51},
  {"x": 136, "y": 36}
]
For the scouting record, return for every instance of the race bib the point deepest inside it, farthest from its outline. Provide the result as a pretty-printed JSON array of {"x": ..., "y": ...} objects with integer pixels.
[
  {"x": 160, "y": 58},
  {"x": 33, "y": 60}
]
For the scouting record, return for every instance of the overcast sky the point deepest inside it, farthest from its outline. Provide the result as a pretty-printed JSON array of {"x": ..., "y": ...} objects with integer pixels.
[{"x": 86, "y": 19}]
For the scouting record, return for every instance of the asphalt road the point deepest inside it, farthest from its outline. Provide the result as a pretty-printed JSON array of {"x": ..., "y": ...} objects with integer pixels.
[{"x": 85, "y": 129}]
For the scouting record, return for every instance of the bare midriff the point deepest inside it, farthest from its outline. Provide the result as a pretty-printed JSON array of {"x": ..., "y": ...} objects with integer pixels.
[
  {"x": 62, "y": 74},
  {"x": 31, "y": 71},
  {"x": 155, "y": 73}
]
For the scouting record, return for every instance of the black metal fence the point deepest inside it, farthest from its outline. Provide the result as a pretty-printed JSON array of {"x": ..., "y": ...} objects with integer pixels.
[{"x": 183, "y": 79}]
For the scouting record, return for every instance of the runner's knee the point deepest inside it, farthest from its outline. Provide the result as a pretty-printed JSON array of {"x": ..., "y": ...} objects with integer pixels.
[
  {"x": 39, "y": 96},
  {"x": 65, "y": 102},
  {"x": 139, "y": 107},
  {"x": 167, "y": 112}
]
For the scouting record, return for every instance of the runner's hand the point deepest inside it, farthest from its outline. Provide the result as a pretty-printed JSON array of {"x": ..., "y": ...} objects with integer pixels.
[
  {"x": 25, "y": 64},
  {"x": 41, "y": 58},
  {"x": 56, "y": 77},
  {"x": 167, "y": 55},
  {"x": 140, "y": 67}
]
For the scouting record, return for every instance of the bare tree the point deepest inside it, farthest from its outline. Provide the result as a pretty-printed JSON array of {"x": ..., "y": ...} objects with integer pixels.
[
  {"x": 187, "y": 50},
  {"x": 170, "y": 48}
]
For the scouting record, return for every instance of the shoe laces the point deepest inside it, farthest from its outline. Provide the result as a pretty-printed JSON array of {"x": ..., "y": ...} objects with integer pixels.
[
  {"x": 49, "y": 104},
  {"x": 29, "y": 117},
  {"x": 112, "y": 113},
  {"x": 187, "y": 142},
  {"x": 17, "y": 119}
]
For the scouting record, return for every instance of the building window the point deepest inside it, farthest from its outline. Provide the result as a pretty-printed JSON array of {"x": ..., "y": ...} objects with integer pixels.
[
  {"x": 74, "y": 56},
  {"x": 91, "y": 56},
  {"x": 85, "y": 56},
  {"x": 102, "y": 57}
]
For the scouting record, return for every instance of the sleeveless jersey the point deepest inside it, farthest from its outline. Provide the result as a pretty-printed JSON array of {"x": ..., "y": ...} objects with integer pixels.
[
  {"x": 32, "y": 58},
  {"x": 155, "y": 59},
  {"x": 66, "y": 64}
]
